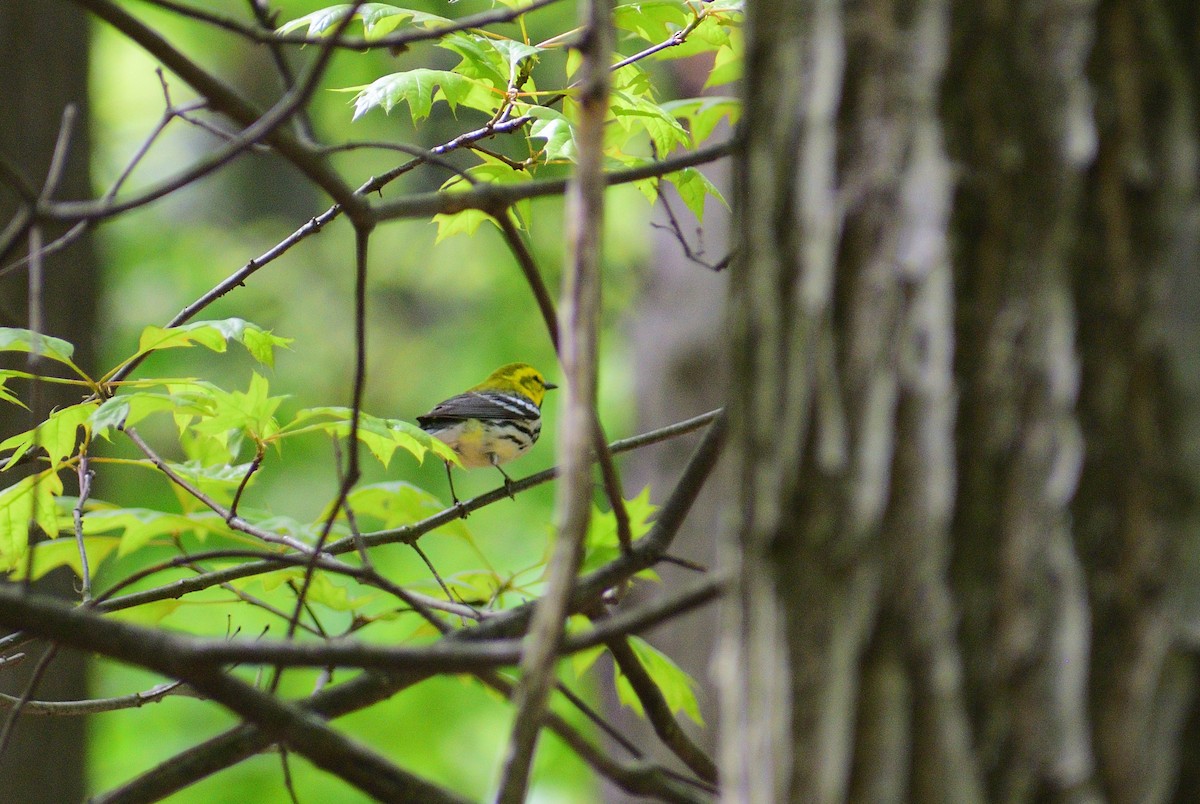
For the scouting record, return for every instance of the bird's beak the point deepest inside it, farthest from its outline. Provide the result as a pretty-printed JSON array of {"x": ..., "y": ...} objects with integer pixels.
[{"x": 549, "y": 386}]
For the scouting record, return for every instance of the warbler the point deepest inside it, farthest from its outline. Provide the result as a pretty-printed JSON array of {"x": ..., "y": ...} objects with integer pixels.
[{"x": 493, "y": 422}]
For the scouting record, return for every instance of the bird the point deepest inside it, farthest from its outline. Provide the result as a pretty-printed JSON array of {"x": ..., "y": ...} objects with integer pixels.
[{"x": 493, "y": 422}]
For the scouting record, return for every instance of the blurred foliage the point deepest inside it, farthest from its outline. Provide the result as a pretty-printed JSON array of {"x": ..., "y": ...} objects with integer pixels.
[{"x": 443, "y": 311}]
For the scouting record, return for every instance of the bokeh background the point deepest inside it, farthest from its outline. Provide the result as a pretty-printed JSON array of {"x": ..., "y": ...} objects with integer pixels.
[{"x": 441, "y": 316}]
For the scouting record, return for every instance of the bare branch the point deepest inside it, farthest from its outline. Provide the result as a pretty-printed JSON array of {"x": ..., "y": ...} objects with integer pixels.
[
  {"x": 224, "y": 99},
  {"x": 371, "y": 687},
  {"x": 395, "y": 40},
  {"x": 658, "y": 712},
  {"x": 580, "y": 323},
  {"x": 494, "y": 198},
  {"x": 96, "y": 705},
  {"x": 404, "y": 535}
]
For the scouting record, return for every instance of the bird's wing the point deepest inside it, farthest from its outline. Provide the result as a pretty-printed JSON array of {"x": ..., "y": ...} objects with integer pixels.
[{"x": 481, "y": 405}]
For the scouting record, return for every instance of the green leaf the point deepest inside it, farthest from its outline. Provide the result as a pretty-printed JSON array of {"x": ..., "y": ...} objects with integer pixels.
[
  {"x": 149, "y": 613},
  {"x": 30, "y": 499},
  {"x": 727, "y": 66},
  {"x": 138, "y": 526},
  {"x": 398, "y": 503},
  {"x": 252, "y": 412},
  {"x": 379, "y": 19},
  {"x": 419, "y": 89},
  {"x": 635, "y": 113},
  {"x": 694, "y": 187},
  {"x": 582, "y": 661},
  {"x": 552, "y": 126},
  {"x": 602, "y": 544},
  {"x": 497, "y": 61},
  {"x": 29, "y": 342},
  {"x": 65, "y": 553},
  {"x": 213, "y": 335},
  {"x": 381, "y": 436},
  {"x": 655, "y": 21},
  {"x": 319, "y": 23},
  {"x": 490, "y": 171},
  {"x": 704, "y": 114},
  {"x": 678, "y": 688},
  {"x": 184, "y": 399},
  {"x": 57, "y": 435},
  {"x": 465, "y": 222},
  {"x": 8, "y": 396}
]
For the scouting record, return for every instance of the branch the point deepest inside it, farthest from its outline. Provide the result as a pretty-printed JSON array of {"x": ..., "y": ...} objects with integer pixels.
[
  {"x": 224, "y": 99},
  {"x": 82, "y": 628},
  {"x": 93, "y": 706},
  {"x": 371, "y": 687},
  {"x": 495, "y": 198},
  {"x": 658, "y": 712},
  {"x": 405, "y": 535},
  {"x": 580, "y": 322},
  {"x": 395, "y": 40}
]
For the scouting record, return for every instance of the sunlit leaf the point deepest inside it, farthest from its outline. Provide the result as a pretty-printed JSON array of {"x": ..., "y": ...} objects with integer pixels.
[
  {"x": 638, "y": 113},
  {"x": 552, "y": 126},
  {"x": 213, "y": 335},
  {"x": 727, "y": 66},
  {"x": 8, "y": 396},
  {"x": 183, "y": 400},
  {"x": 251, "y": 412},
  {"x": 419, "y": 88},
  {"x": 694, "y": 187},
  {"x": 23, "y": 340},
  {"x": 465, "y": 222},
  {"x": 148, "y": 613},
  {"x": 29, "y": 500},
  {"x": 380, "y": 20},
  {"x": 704, "y": 114},
  {"x": 654, "y": 20},
  {"x": 381, "y": 436},
  {"x": 64, "y": 552},
  {"x": 138, "y": 526},
  {"x": 57, "y": 435},
  {"x": 397, "y": 503},
  {"x": 602, "y": 544},
  {"x": 677, "y": 687}
]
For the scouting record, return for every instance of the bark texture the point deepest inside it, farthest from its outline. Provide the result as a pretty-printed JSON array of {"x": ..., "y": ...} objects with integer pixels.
[
  {"x": 36, "y": 88},
  {"x": 963, "y": 404}
]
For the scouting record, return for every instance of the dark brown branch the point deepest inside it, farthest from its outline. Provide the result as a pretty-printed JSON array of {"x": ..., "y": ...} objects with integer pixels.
[
  {"x": 80, "y": 628},
  {"x": 224, "y": 99},
  {"x": 494, "y": 198},
  {"x": 658, "y": 712},
  {"x": 579, "y": 313},
  {"x": 370, "y": 688},
  {"x": 405, "y": 535},
  {"x": 395, "y": 40}
]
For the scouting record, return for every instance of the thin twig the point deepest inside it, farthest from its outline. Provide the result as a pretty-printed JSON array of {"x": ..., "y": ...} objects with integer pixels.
[
  {"x": 18, "y": 706},
  {"x": 403, "y": 535},
  {"x": 578, "y": 425},
  {"x": 395, "y": 40},
  {"x": 259, "y": 453},
  {"x": 677, "y": 230},
  {"x": 235, "y": 522},
  {"x": 85, "y": 474},
  {"x": 659, "y": 713},
  {"x": 93, "y": 706}
]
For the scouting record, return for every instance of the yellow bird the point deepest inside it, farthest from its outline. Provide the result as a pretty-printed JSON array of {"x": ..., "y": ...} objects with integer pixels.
[{"x": 493, "y": 422}]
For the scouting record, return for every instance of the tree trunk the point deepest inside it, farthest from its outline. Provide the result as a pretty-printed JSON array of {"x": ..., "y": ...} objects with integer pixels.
[
  {"x": 44, "y": 52},
  {"x": 964, "y": 348}
]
